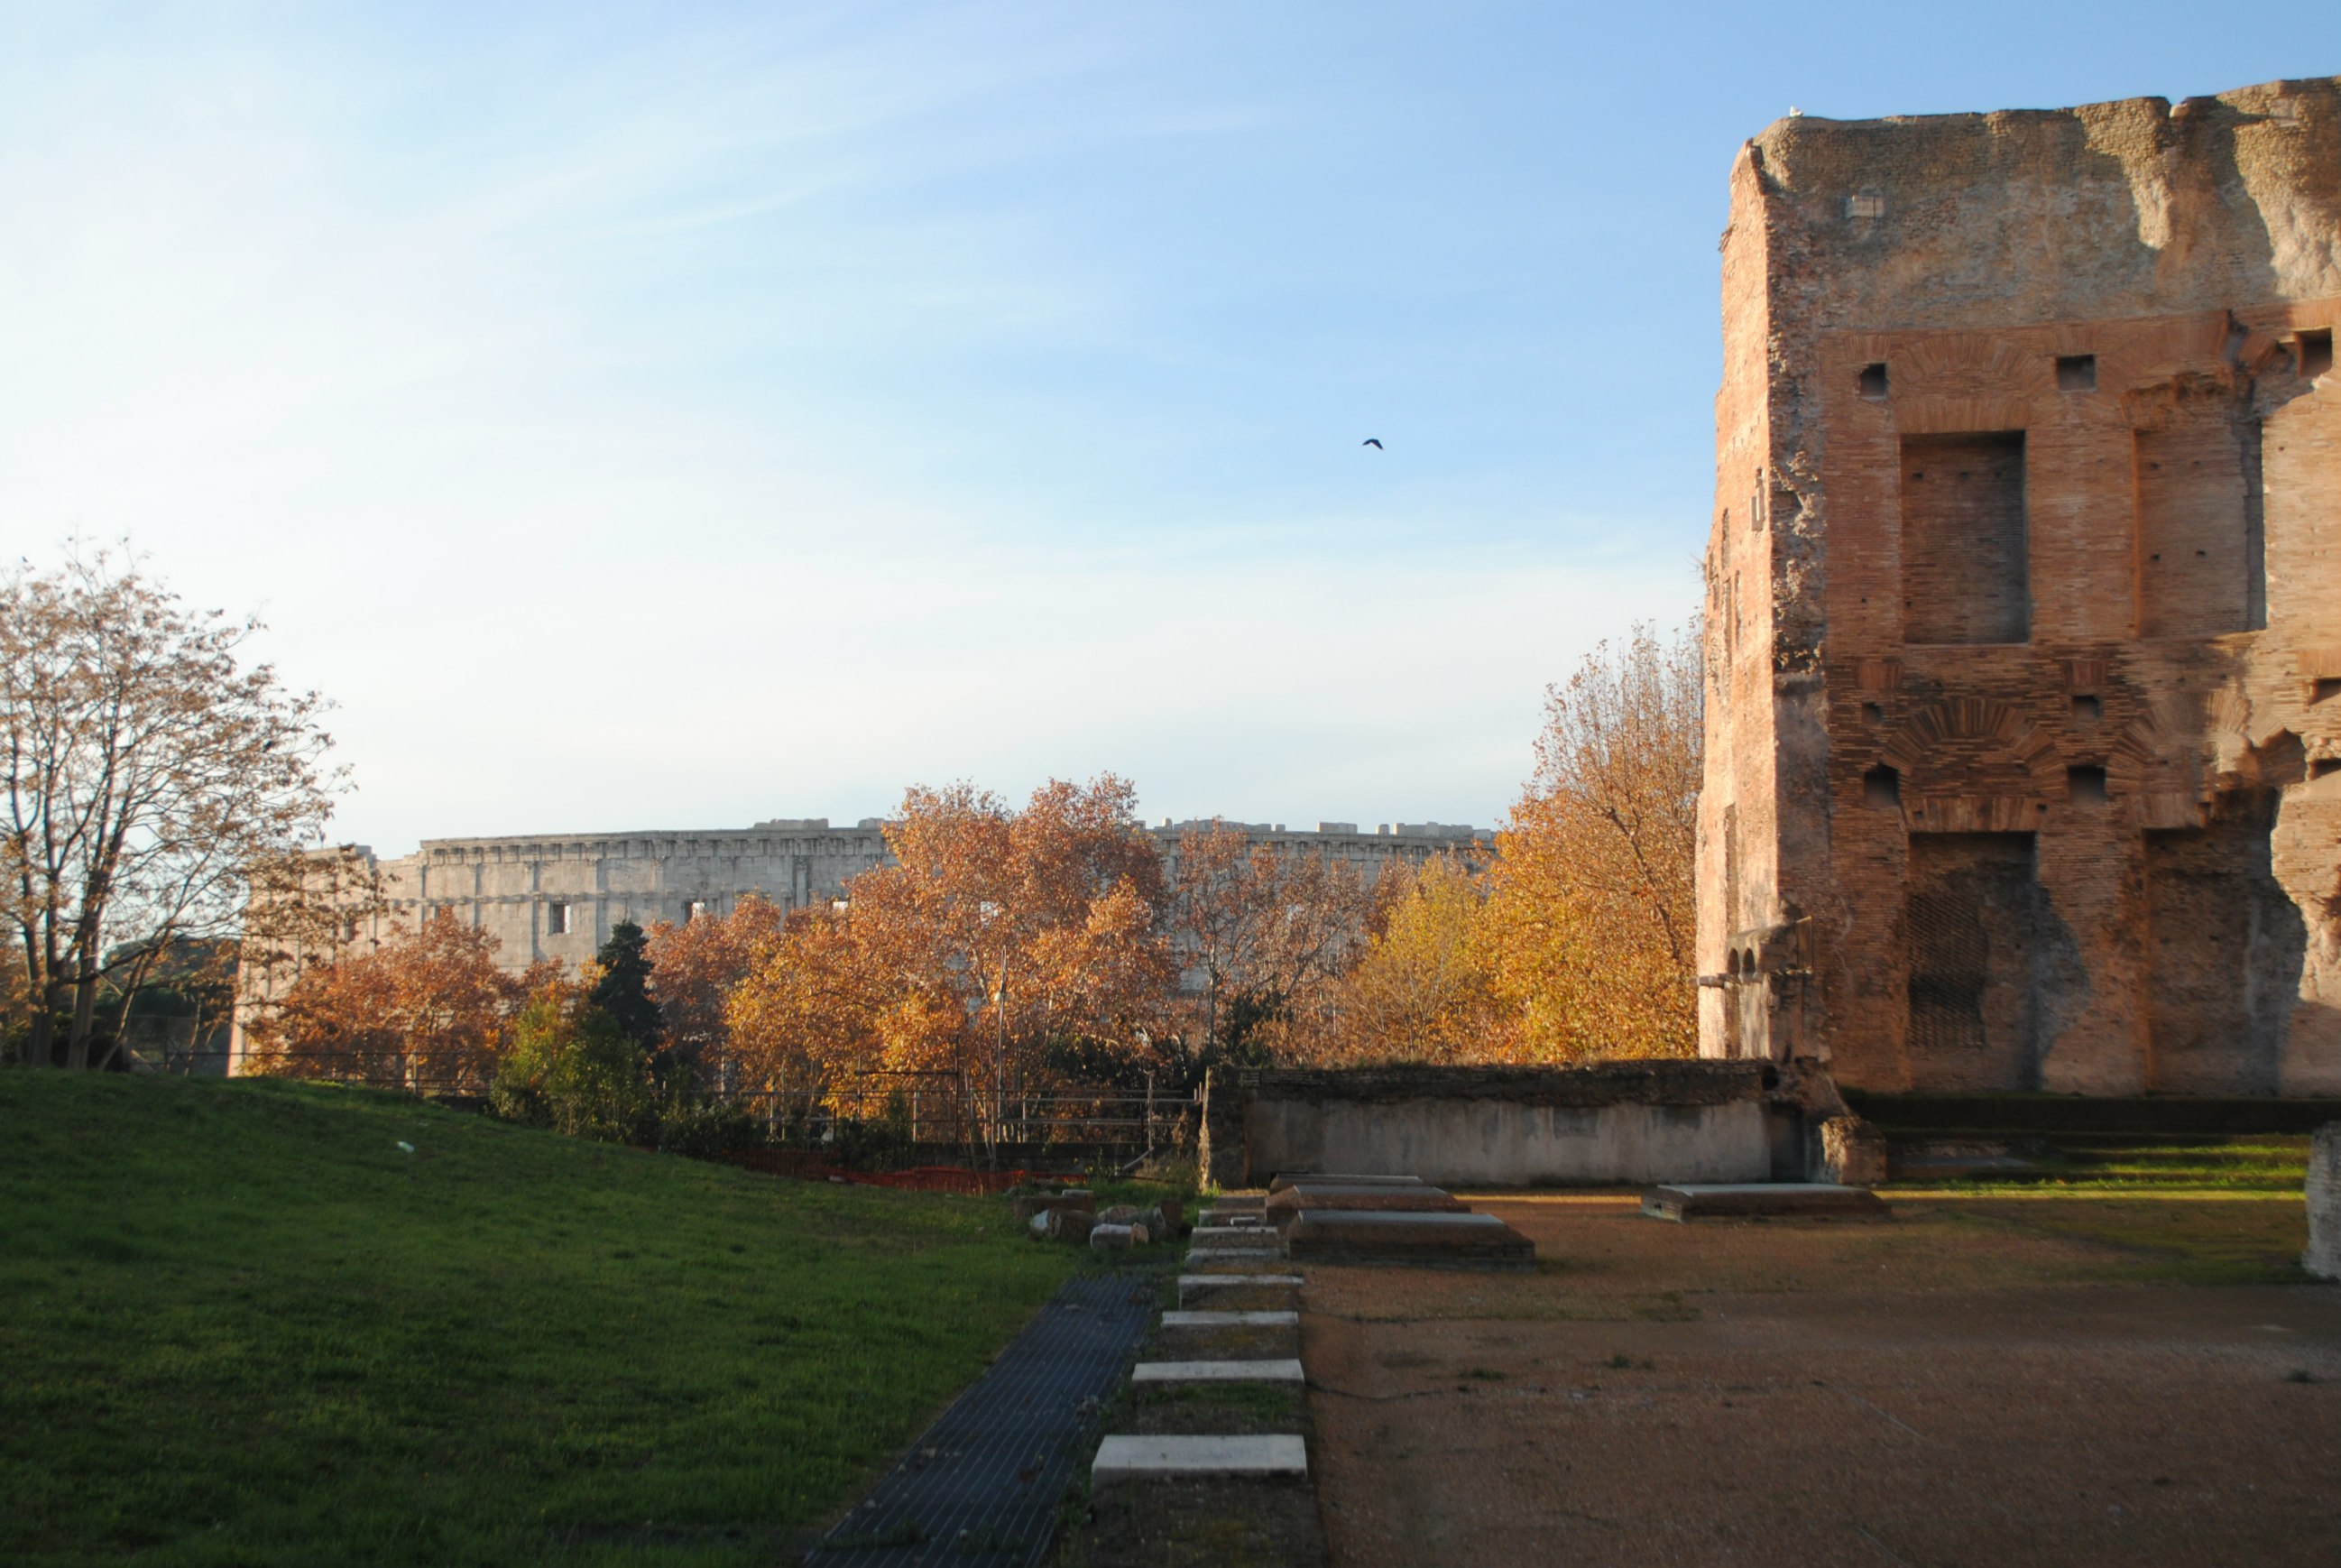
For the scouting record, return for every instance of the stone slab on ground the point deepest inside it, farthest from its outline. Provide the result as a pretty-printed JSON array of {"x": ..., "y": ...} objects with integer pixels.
[
  {"x": 1252, "y": 1236},
  {"x": 1231, "y": 1320},
  {"x": 1121, "y": 1458},
  {"x": 2323, "y": 1257},
  {"x": 1411, "y": 1239},
  {"x": 1764, "y": 1200},
  {"x": 1336, "y": 1178},
  {"x": 1364, "y": 1199},
  {"x": 1283, "y": 1368}
]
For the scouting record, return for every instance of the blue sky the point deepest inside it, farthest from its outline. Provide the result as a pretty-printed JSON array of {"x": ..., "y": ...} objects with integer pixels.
[{"x": 684, "y": 416}]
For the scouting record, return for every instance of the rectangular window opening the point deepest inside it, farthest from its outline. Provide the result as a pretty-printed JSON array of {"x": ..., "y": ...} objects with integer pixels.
[
  {"x": 1965, "y": 561},
  {"x": 1873, "y": 382},
  {"x": 2076, "y": 373},
  {"x": 2087, "y": 710},
  {"x": 2322, "y": 691},
  {"x": 1881, "y": 788},
  {"x": 2086, "y": 786},
  {"x": 556, "y": 920}
]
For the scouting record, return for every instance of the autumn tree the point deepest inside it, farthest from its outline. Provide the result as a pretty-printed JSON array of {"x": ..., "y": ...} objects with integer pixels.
[
  {"x": 1422, "y": 991},
  {"x": 428, "y": 1010},
  {"x": 694, "y": 966},
  {"x": 149, "y": 772},
  {"x": 1266, "y": 934},
  {"x": 994, "y": 934},
  {"x": 1588, "y": 924}
]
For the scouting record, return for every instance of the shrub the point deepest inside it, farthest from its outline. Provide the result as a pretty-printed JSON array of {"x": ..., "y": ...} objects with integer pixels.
[{"x": 572, "y": 1068}]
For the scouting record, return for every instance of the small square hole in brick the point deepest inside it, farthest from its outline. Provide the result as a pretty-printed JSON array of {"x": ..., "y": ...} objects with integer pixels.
[
  {"x": 2076, "y": 373},
  {"x": 2087, "y": 710},
  {"x": 2086, "y": 785},
  {"x": 2317, "y": 352},
  {"x": 1873, "y": 381},
  {"x": 1881, "y": 787},
  {"x": 1873, "y": 713},
  {"x": 2324, "y": 690}
]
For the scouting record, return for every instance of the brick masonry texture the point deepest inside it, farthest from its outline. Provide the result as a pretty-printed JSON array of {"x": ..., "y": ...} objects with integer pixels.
[{"x": 2024, "y": 604}]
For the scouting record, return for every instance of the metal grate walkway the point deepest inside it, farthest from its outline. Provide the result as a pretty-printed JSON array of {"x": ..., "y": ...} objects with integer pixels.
[{"x": 981, "y": 1488}]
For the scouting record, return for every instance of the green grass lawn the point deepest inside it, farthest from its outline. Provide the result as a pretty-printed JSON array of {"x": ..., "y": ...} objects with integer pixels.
[{"x": 240, "y": 1324}]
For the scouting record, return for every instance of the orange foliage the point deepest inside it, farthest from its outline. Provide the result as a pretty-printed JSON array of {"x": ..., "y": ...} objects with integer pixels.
[
  {"x": 995, "y": 933},
  {"x": 1423, "y": 992},
  {"x": 428, "y": 1010},
  {"x": 694, "y": 968},
  {"x": 1265, "y": 936},
  {"x": 1586, "y": 932}
]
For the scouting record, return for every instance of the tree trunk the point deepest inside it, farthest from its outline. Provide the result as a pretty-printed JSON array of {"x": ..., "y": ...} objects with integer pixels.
[{"x": 85, "y": 1015}]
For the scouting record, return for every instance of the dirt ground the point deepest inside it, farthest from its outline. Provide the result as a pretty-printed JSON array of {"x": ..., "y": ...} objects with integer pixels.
[{"x": 2025, "y": 1380}]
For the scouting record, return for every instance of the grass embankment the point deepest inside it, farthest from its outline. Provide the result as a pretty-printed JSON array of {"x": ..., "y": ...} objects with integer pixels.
[{"x": 238, "y": 1323}]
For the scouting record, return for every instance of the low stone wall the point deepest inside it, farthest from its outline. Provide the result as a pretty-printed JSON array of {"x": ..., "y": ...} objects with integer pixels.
[{"x": 1637, "y": 1122}]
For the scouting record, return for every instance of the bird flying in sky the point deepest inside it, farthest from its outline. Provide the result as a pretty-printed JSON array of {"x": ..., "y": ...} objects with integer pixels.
[{"x": 1377, "y": 445}]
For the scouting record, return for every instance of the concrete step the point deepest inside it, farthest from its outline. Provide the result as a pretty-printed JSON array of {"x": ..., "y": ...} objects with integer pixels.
[
  {"x": 1276, "y": 1370},
  {"x": 1231, "y": 1320},
  {"x": 1249, "y": 1218},
  {"x": 1252, "y": 1261},
  {"x": 1123, "y": 1458},
  {"x": 1242, "y": 1292}
]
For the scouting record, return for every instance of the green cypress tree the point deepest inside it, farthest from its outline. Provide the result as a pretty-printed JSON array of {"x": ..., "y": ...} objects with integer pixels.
[{"x": 624, "y": 991}]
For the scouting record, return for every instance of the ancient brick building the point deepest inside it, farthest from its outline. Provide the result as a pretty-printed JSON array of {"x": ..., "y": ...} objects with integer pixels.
[{"x": 2024, "y": 600}]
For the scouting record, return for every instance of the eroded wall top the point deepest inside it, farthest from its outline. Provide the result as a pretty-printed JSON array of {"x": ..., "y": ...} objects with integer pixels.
[{"x": 2135, "y": 208}]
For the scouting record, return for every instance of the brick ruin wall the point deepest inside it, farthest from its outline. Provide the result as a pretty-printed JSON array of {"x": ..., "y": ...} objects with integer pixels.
[{"x": 2024, "y": 602}]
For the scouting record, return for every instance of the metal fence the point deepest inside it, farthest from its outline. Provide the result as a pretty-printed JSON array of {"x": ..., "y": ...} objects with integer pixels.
[{"x": 929, "y": 1108}]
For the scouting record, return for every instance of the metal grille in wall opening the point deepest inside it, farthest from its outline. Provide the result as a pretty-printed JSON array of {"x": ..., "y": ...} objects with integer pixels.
[
  {"x": 1950, "y": 958},
  {"x": 981, "y": 1488}
]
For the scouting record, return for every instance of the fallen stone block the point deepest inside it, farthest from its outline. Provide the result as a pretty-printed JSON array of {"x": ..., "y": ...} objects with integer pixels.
[
  {"x": 1121, "y": 1215},
  {"x": 1104, "y": 1237},
  {"x": 2323, "y": 1257},
  {"x": 1294, "y": 1178},
  {"x": 1232, "y": 1237},
  {"x": 1413, "y": 1240},
  {"x": 1281, "y": 1370},
  {"x": 1031, "y": 1204},
  {"x": 1069, "y": 1224},
  {"x": 1764, "y": 1200},
  {"x": 1121, "y": 1458},
  {"x": 1231, "y": 1320}
]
